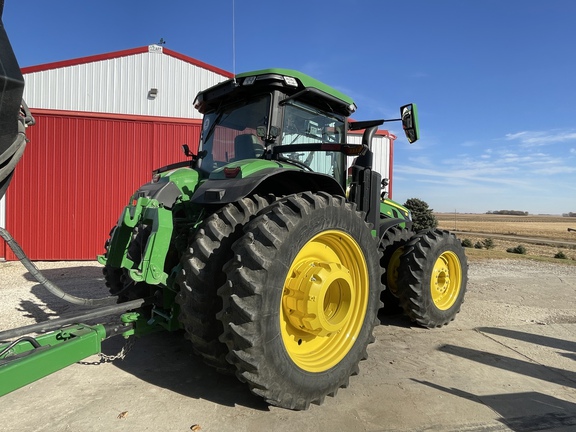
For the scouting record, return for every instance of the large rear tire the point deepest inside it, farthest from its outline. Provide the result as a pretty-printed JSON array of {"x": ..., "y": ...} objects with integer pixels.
[
  {"x": 433, "y": 273},
  {"x": 301, "y": 299},
  {"x": 201, "y": 275}
]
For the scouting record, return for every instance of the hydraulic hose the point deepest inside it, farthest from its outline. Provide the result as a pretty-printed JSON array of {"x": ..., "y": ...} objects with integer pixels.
[{"x": 54, "y": 289}]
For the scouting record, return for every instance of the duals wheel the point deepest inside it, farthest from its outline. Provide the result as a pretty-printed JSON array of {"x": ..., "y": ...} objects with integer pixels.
[
  {"x": 433, "y": 272},
  {"x": 301, "y": 299},
  {"x": 392, "y": 247},
  {"x": 113, "y": 277},
  {"x": 201, "y": 275}
]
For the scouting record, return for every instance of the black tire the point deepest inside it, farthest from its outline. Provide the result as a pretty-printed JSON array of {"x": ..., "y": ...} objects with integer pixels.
[
  {"x": 301, "y": 299},
  {"x": 392, "y": 246},
  {"x": 118, "y": 280},
  {"x": 433, "y": 272},
  {"x": 113, "y": 277},
  {"x": 201, "y": 275}
]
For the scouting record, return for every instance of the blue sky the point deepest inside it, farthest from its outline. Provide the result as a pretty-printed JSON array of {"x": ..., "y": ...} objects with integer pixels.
[{"x": 494, "y": 80}]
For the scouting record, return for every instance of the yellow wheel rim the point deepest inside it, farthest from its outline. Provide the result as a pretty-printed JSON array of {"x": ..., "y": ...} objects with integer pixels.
[
  {"x": 324, "y": 301},
  {"x": 392, "y": 271},
  {"x": 446, "y": 280}
]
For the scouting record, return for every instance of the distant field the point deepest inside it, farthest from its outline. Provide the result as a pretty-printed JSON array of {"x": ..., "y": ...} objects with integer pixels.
[
  {"x": 554, "y": 227},
  {"x": 540, "y": 228}
]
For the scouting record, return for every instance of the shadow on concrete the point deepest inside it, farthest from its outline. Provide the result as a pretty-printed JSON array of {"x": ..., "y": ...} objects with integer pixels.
[
  {"x": 72, "y": 276},
  {"x": 79, "y": 281},
  {"x": 392, "y": 313},
  {"x": 166, "y": 360},
  {"x": 394, "y": 319},
  {"x": 545, "y": 373},
  {"x": 548, "y": 341},
  {"x": 523, "y": 412},
  {"x": 527, "y": 411}
]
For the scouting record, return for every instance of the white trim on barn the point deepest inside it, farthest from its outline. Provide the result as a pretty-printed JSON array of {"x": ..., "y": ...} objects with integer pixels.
[
  {"x": 123, "y": 85},
  {"x": 3, "y": 212}
]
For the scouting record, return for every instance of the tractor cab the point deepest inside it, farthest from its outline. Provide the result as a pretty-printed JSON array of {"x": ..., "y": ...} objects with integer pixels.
[
  {"x": 285, "y": 116},
  {"x": 277, "y": 115}
]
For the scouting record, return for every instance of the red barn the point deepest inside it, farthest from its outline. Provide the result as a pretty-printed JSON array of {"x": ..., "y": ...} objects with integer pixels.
[{"x": 103, "y": 123}]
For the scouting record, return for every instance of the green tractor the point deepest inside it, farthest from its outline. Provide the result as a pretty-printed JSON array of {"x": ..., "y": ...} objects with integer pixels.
[{"x": 269, "y": 250}]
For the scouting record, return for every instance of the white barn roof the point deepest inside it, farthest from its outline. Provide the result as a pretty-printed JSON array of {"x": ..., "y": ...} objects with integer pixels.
[{"x": 122, "y": 82}]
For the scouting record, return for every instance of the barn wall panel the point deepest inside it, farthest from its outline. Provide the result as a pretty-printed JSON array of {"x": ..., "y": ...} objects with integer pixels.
[
  {"x": 170, "y": 138},
  {"x": 77, "y": 175}
]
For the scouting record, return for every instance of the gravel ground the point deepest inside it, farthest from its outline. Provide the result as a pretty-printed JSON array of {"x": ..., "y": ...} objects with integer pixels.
[
  {"x": 492, "y": 292},
  {"x": 499, "y": 293},
  {"x": 24, "y": 301}
]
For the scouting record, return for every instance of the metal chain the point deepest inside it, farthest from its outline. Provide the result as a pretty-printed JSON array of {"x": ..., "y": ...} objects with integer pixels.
[{"x": 110, "y": 358}]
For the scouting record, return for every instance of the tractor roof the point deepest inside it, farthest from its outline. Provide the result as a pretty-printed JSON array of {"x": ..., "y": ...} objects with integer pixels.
[
  {"x": 295, "y": 84},
  {"x": 305, "y": 80}
]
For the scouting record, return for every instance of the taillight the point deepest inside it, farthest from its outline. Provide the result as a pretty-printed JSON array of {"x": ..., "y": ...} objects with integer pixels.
[{"x": 232, "y": 172}]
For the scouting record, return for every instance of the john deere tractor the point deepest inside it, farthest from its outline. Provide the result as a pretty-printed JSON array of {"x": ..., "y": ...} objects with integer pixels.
[{"x": 270, "y": 250}]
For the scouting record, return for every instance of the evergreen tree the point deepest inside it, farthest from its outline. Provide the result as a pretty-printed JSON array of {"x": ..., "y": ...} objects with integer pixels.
[{"x": 422, "y": 216}]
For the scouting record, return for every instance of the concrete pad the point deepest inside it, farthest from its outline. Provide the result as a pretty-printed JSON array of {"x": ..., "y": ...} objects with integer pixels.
[{"x": 506, "y": 363}]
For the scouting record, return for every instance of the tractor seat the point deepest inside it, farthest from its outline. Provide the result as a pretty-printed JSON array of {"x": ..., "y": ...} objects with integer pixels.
[{"x": 247, "y": 146}]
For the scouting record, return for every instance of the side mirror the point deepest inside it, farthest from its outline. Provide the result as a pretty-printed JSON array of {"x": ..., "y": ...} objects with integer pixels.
[{"x": 409, "y": 115}]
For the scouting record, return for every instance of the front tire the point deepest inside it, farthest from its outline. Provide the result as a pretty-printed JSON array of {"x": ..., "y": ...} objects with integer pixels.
[
  {"x": 433, "y": 273},
  {"x": 301, "y": 299}
]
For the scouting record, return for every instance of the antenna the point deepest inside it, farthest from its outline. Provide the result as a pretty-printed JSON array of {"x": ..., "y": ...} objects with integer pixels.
[{"x": 233, "y": 42}]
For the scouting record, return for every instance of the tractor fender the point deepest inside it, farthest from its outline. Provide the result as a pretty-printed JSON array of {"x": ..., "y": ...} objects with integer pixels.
[
  {"x": 277, "y": 181},
  {"x": 166, "y": 192},
  {"x": 387, "y": 223}
]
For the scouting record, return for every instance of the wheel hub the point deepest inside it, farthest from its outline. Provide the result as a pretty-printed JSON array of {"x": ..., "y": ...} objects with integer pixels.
[
  {"x": 446, "y": 280},
  {"x": 324, "y": 300},
  {"x": 442, "y": 279},
  {"x": 318, "y": 298}
]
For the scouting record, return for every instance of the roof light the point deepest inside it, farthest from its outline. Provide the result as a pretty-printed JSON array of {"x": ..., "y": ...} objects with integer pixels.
[
  {"x": 291, "y": 81},
  {"x": 199, "y": 104},
  {"x": 249, "y": 80}
]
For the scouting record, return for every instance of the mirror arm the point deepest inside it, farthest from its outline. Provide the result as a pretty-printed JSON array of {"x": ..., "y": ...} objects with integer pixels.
[{"x": 368, "y": 135}]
